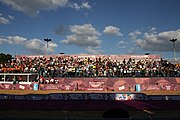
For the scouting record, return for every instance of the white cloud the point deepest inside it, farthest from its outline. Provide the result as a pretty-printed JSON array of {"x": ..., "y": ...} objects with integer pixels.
[
  {"x": 35, "y": 45},
  {"x": 159, "y": 41},
  {"x": 134, "y": 34},
  {"x": 122, "y": 44},
  {"x": 39, "y": 47},
  {"x": 132, "y": 50},
  {"x": 95, "y": 51},
  {"x": 83, "y": 35},
  {"x": 152, "y": 28},
  {"x": 112, "y": 31},
  {"x": 76, "y": 6},
  {"x": 85, "y": 5},
  {"x": 33, "y": 7},
  {"x": 3, "y": 40},
  {"x": 12, "y": 40},
  {"x": 85, "y": 29},
  {"x": 16, "y": 39},
  {"x": 4, "y": 20},
  {"x": 11, "y": 17}
]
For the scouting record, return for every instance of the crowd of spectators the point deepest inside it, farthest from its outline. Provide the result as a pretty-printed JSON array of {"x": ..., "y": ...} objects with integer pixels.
[{"x": 68, "y": 66}]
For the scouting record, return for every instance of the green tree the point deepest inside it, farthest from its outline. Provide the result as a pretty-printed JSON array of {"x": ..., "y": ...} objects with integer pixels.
[{"x": 4, "y": 58}]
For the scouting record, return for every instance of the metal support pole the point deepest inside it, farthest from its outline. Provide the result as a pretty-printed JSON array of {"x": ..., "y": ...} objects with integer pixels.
[
  {"x": 47, "y": 40},
  {"x": 174, "y": 49}
]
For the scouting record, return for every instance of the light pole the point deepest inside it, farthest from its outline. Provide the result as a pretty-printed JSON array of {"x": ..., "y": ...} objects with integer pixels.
[
  {"x": 47, "y": 40},
  {"x": 173, "y": 41}
]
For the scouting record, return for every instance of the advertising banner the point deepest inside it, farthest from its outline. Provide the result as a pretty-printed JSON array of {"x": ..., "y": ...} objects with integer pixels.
[
  {"x": 122, "y": 97},
  {"x": 52, "y": 87},
  {"x": 22, "y": 86},
  {"x": 6, "y": 86},
  {"x": 101, "y": 84},
  {"x": 95, "y": 96},
  {"x": 55, "y": 96},
  {"x": 89, "y": 84}
]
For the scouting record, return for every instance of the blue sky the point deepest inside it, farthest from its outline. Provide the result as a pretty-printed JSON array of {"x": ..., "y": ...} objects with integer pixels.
[{"x": 90, "y": 26}]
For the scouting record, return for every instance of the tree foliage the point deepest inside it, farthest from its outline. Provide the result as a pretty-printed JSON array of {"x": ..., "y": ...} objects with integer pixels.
[{"x": 4, "y": 58}]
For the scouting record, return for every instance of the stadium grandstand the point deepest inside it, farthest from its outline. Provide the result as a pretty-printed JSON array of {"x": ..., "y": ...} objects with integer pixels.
[
  {"x": 90, "y": 82},
  {"x": 90, "y": 72},
  {"x": 92, "y": 66}
]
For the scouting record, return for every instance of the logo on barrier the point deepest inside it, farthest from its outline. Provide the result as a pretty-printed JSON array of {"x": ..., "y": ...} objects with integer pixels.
[
  {"x": 21, "y": 87},
  {"x": 67, "y": 87},
  {"x": 168, "y": 87},
  {"x": 6, "y": 86},
  {"x": 51, "y": 87},
  {"x": 122, "y": 88},
  {"x": 96, "y": 84}
]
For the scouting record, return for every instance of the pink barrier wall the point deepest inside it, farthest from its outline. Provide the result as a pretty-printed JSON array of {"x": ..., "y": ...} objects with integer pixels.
[
  {"x": 103, "y": 84},
  {"x": 8, "y": 86},
  {"x": 114, "y": 84}
]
